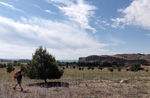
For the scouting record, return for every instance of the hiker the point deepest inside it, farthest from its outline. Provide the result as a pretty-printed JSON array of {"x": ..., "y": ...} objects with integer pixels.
[{"x": 18, "y": 76}]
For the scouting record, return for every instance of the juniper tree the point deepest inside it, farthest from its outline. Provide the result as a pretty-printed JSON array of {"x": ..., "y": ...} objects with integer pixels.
[
  {"x": 43, "y": 66},
  {"x": 10, "y": 67}
]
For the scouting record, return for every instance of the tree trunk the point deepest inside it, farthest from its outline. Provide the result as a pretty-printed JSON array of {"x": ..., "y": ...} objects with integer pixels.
[{"x": 45, "y": 81}]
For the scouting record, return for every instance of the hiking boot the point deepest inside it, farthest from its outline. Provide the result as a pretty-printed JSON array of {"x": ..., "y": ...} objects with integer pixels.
[
  {"x": 14, "y": 88},
  {"x": 21, "y": 89}
]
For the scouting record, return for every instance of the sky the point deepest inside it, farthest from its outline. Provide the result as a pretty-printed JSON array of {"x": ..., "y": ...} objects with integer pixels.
[{"x": 70, "y": 29}]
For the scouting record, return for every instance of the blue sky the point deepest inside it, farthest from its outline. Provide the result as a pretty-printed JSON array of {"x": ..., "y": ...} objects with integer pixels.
[{"x": 70, "y": 29}]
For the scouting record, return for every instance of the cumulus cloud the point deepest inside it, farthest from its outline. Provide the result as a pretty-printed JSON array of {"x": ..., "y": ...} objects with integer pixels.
[
  {"x": 137, "y": 13},
  {"x": 64, "y": 40},
  {"x": 79, "y": 11},
  {"x": 11, "y": 7}
]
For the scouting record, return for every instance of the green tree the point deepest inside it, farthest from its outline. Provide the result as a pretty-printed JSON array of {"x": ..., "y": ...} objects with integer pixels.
[
  {"x": 119, "y": 69},
  {"x": 135, "y": 67},
  {"x": 2, "y": 65},
  {"x": 43, "y": 66},
  {"x": 110, "y": 69},
  {"x": 10, "y": 67},
  {"x": 15, "y": 63}
]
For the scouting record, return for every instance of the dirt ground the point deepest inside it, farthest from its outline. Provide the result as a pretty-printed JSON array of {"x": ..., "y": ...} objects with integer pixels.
[
  {"x": 80, "y": 84},
  {"x": 84, "y": 89}
]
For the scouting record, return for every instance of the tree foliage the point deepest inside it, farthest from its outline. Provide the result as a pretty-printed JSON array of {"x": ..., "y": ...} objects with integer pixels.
[
  {"x": 15, "y": 63},
  {"x": 43, "y": 66},
  {"x": 10, "y": 67},
  {"x": 135, "y": 67},
  {"x": 110, "y": 69},
  {"x": 2, "y": 65}
]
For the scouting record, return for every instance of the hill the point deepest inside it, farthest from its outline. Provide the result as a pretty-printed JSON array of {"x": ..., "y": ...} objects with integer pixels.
[
  {"x": 119, "y": 58},
  {"x": 12, "y": 60}
]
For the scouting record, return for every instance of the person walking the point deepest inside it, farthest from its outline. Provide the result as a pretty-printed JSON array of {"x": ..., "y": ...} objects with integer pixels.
[{"x": 18, "y": 76}]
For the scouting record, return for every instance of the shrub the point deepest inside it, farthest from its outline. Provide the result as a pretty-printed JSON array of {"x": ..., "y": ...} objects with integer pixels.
[
  {"x": 2, "y": 65},
  {"x": 141, "y": 69},
  {"x": 135, "y": 67},
  {"x": 10, "y": 67},
  {"x": 74, "y": 67},
  {"x": 146, "y": 70},
  {"x": 92, "y": 68},
  {"x": 80, "y": 68},
  {"x": 89, "y": 67},
  {"x": 63, "y": 68},
  {"x": 15, "y": 63},
  {"x": 110, "y": 69},
  {"x": 119, "y": 69},
  {"x": 100, "y": 68}
]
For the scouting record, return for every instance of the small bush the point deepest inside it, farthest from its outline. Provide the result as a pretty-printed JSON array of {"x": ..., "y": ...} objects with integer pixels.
[
  {"x": 63, "y": 68},
  {"x": 110, "y": 69},
  {"x": 127, "y": 69},
  {"x": 2, "y": 65},
  {"x": 135, "y": 67},
  {"x": 133, "y": 70},
  {"x": 80, "y": 68},
  {"x": 141, "y": 69},
  {"x": 67, "y": 66},
  {"x": 74, "y": 67},
  {"x": 146, "y": 70},
  {"x": 119, "y": 69},
  {"x": 10, "y": 68},
  {"x": 100, "y": 68},
  {"x": 92, "y": 68},
  {"x": 89, "y": 67}
]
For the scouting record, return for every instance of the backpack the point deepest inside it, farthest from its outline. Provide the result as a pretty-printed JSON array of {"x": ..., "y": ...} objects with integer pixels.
[{"x": 16, "y": 75}]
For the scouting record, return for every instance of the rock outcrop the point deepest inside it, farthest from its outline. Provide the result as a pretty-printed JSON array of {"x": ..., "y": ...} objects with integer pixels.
[{"x": 119, "y": 58}]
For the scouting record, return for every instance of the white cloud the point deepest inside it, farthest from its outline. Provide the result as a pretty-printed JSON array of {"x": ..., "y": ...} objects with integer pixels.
[
  {"x": 62, "y": 39},
  {"x": 49, "y": 11},
  {"x": 79, "y": 11},
  {"x": 10, "y": 51},
  {"x": 8, "y": 5},
  {"x": 148, "y": 35},
  {"x": 102, "y": 23},
  {"x": 65, "y": 2},
  {"x": 137, "y": 13},
  {"x": 11, "y": 6},
  {"x": 37, "y": 6}
]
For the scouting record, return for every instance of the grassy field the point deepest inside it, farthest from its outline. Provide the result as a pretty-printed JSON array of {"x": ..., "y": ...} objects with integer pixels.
[{"x": 82, "y": 84}]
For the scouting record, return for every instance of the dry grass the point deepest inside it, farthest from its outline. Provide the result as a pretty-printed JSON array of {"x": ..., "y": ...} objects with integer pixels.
[{"x": 82, "y": 84}]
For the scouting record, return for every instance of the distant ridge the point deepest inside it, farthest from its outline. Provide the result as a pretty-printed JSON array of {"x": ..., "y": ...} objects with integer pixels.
[
  {"x": 27, "y": 60},
  {"x": 6, "y": 60},
  {"x": 68, "y": 60},
  {"x": 12, "y": 60},
  {"x": 120, "y": 58}
]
